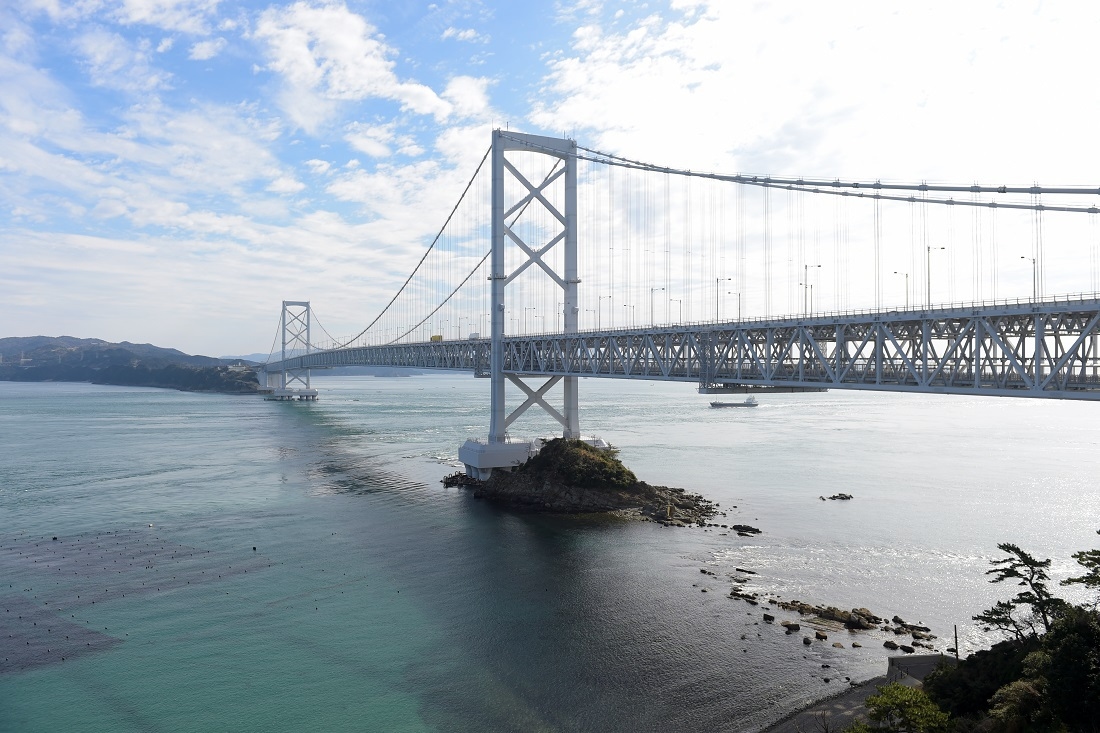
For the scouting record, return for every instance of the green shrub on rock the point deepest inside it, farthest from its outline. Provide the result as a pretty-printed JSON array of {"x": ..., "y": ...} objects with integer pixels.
[
  {"x": 900, "y": 709},
  {"x": 579, "y": 464}
]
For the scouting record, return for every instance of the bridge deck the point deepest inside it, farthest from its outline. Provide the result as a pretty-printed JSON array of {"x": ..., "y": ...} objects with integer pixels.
[{"x": 1046, "y": 349}]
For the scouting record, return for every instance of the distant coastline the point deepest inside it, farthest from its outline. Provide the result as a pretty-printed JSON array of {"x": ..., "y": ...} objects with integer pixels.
[
  {"x": 68, "y": 359},
  {"x": 226, "y": 380}
]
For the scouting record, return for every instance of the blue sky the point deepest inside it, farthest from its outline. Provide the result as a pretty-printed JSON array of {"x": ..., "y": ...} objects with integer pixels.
[{"x": 170, "y": 170}]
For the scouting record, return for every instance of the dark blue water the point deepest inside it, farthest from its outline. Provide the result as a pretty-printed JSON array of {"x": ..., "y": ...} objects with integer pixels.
[{"x": 375, "y": 599}]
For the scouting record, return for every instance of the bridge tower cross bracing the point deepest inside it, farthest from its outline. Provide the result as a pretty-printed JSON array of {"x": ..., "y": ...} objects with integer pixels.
[
  {"x": 294, "y": 328},
  {"x": 497, "y": 451}
]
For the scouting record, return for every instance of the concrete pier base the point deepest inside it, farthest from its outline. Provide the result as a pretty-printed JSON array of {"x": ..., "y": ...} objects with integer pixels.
[
  {"x": 287, "y": 393},
  {"x": 481, "y": 457}
]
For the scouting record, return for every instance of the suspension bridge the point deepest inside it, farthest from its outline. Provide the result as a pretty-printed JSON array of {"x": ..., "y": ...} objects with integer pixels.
[{"x": 737, "y": 283}]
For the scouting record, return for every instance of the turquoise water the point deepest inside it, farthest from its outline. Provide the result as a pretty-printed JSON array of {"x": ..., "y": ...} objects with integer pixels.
[{"x": 375, "y": 599}]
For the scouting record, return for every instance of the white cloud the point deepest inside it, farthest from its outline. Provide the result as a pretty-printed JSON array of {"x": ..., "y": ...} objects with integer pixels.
[
  {"x": 318, "y": 167},
  {"x": 166, "y": 44},
  {"x": 154, "y": 169},
  {"x": 15, "y": 38},
  {"x": 327, "y": 54},
  {"x": 381, "y": 141},
  {"x": 286, "y": 184},
  {"x": 468, "y": 35},
  {"x": 463, "y": 147},
  {"x": 113, "y": 62},
  {"x": 204, "y": 50},
  {"x": 867, "y": 89},
  {"x": 183, "y": 16},
  {"x": 373, "y": 140},
  {"x": 468, "y": 95}
]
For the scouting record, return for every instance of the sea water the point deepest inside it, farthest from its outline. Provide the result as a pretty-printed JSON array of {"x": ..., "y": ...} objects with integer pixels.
[{"x": 226, "y": 563}]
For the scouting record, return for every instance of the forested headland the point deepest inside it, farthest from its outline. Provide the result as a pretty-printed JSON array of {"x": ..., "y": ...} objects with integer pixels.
[{"x": 68, "y": 359}]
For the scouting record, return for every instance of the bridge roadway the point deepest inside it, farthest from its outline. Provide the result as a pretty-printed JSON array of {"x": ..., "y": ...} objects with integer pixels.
[{"x": 1042, "y": 349}]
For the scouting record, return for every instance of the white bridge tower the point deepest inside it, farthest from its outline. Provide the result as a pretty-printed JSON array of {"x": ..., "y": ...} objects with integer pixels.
[
  {"x": 292, "y": 383},
  {"x": 481, "y": 457}
]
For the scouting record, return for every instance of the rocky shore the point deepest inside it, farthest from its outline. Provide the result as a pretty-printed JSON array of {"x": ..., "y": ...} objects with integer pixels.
[
  {"x": 825, "y": 618},
  {"x": 573, "y": 477}
]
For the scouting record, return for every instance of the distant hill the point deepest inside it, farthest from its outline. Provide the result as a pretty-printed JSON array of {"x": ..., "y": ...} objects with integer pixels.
[
  {"x": 254, "y": 358},
  {"x": 69, "y": 359},
  {"x": 38, "y": 350}
]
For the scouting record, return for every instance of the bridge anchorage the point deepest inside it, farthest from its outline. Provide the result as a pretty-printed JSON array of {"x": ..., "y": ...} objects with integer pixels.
[{"x": 1040, "y": 346}]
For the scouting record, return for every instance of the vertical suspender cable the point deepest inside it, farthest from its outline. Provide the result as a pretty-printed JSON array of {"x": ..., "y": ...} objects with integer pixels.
[
  {"x": 951, "y": 254},
  {"x": 688, "y": 232},
  {"x": 1094, "y": 256},
  {"x": 976, "y": 243},
  {"x": 663, "y": 239},
  {"x": 740, "y": 213},
  {"x": 611, "y": 246},
  {"x": 767, "y": 256},
  {"x": 994, "y": 260},
  {"x": 925, "y": 248},
  {"x": 878, "y": 252}
]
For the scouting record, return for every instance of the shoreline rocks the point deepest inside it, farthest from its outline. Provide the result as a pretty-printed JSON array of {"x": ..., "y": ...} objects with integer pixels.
[{"x": 823, "y": 619}]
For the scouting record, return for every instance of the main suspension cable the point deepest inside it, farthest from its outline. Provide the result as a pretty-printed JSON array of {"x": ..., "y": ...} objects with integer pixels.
[
  {"x": 429, "y": 250},
  {"x": 841, "y": 188},
  {"x": 478, "y": 265}
]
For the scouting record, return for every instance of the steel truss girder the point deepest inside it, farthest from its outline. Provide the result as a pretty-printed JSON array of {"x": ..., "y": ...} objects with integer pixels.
[{"x": 1045, "y": 350}]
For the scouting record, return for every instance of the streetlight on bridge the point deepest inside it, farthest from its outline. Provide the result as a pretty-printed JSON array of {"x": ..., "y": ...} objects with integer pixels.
[
  {"x": 928, "y": 274},
  {"x": 717, "y": 291},
  {"x": 807, "y": 289},
  {"x": 627, "y": 305},
  {"x": 651, "y": 314},
  {"x": 527, "y": 308},
  {"x": 1034, "y": 277},
  {"x": 599, "y": 312},
  {"x": 591, "y": 310},
  {"x": 730, "y": 292},
  {"x": 906, "y": 287},
  {"x": 679, "y": 309}
]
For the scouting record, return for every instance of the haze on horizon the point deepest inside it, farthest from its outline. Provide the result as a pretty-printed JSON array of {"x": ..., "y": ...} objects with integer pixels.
[{"x": 170, "y": 170}]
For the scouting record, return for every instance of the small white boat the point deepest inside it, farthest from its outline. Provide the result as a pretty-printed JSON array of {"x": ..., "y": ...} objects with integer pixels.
[{"x": 749, "y": 402}]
